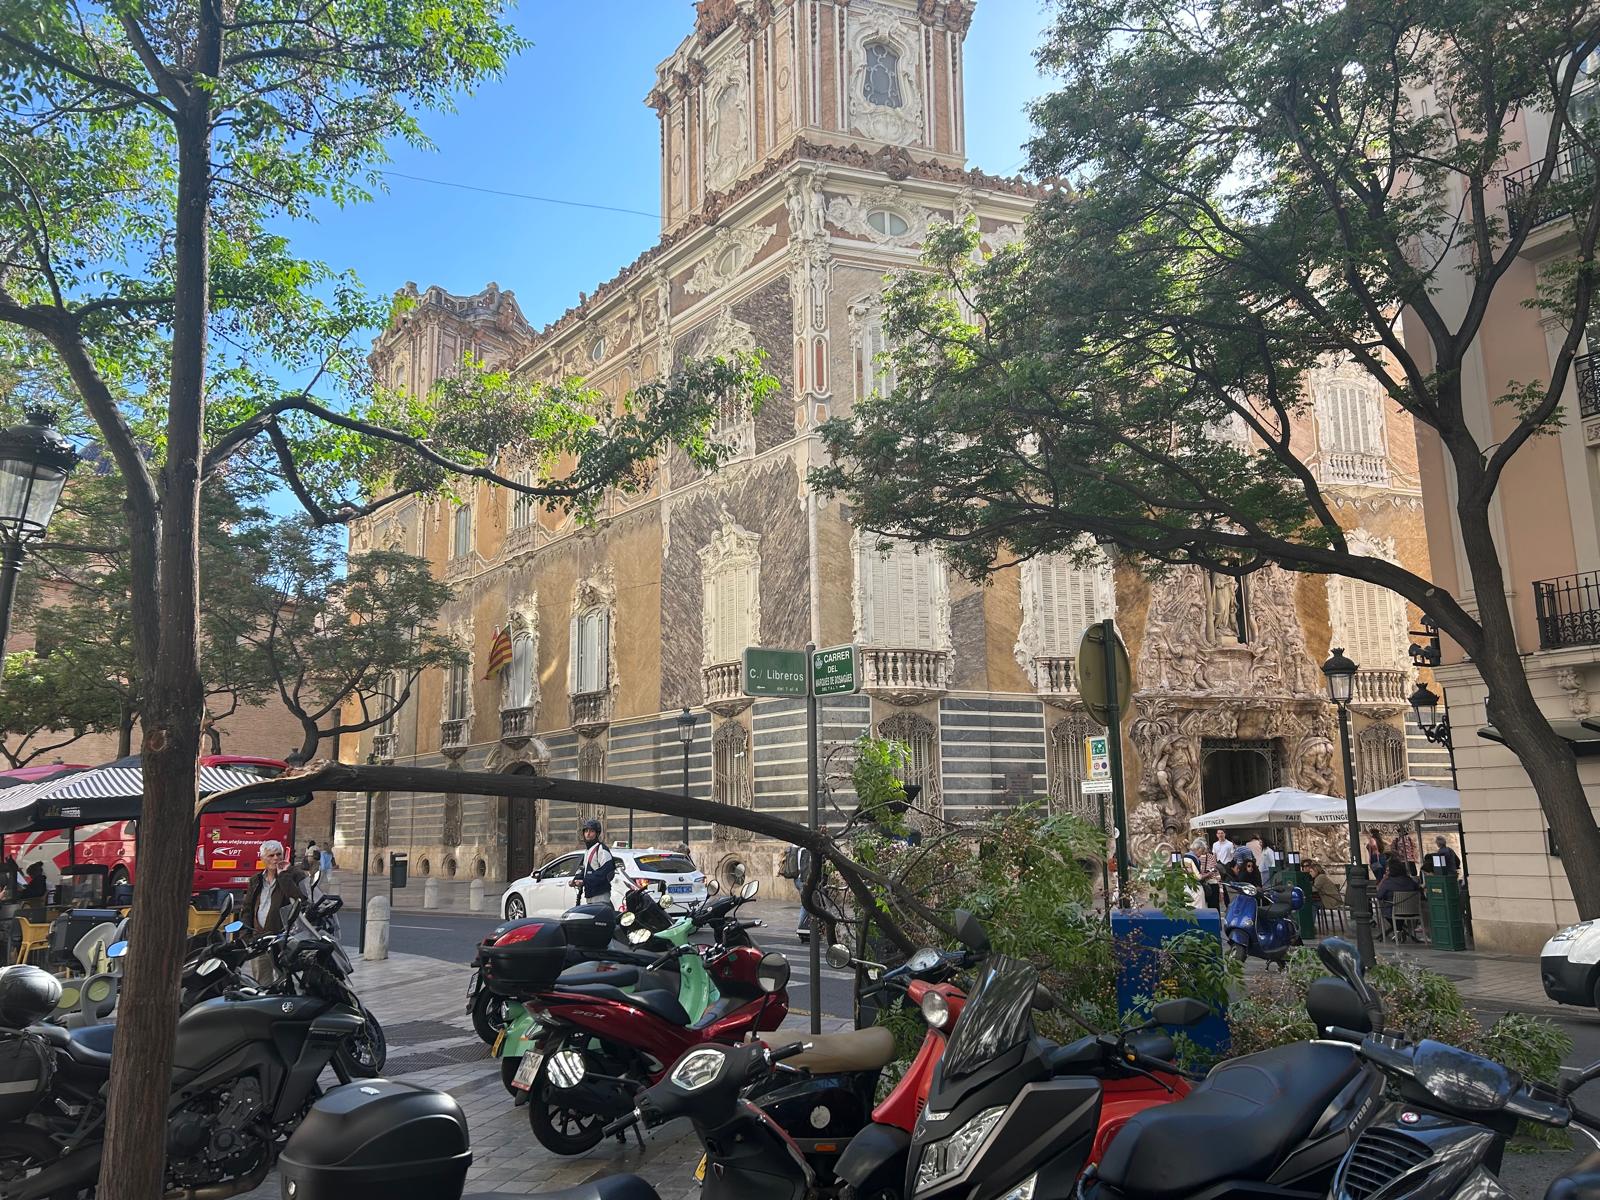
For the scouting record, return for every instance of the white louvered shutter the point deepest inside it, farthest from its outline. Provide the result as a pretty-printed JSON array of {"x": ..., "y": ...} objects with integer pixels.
[
  {"x": 916, "y": 624},
  {"x": 881, "y": 596},
  {"x": 574, "y": 640},
  {"x": 1052, "y": 618}
]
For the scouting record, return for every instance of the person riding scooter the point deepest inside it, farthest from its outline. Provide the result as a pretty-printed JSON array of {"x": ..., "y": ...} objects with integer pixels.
[{"x": 599, "y": 865}]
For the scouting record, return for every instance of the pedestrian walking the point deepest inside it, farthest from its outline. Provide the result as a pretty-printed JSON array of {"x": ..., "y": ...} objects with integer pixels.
[
  {"x": 272, "y": 889},
  {"x": 1210, "y": 873},
  {"x": 1405, "y": 849},
  {"x": 1223, "y": 849},
  {"x": 597, "y": 868}
]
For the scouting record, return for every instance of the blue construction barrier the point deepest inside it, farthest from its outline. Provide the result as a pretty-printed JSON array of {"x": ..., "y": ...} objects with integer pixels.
[{"x": 1139, "y": 934}]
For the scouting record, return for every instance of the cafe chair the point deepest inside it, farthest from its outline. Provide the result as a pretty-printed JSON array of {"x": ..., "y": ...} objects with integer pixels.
[{"x": 1406, "y": 915}]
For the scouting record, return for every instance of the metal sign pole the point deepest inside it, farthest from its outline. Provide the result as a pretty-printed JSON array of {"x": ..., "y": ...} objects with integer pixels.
[
  {"x": 1119, "y": 812},
  {"x": 814, "y": 942}
]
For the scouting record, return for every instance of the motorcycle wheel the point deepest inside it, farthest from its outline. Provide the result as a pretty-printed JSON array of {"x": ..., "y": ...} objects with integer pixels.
[
  {"x": 1237, "y": 952},
  {"x": 23, "y": 1151},
  {"x": 363, "y": 1055},
  {"x": 558, "y": 1128},
  {"x": 488, "y": 1015}
]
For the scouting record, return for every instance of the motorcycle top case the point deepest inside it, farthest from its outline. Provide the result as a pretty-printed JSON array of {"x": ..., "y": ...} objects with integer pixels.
[
  {"x": 527, "y": 958},
  {"x": 376, "y": 1140},
  {"x": 590, "y": 926},
  {"x": 26, "y": 1065}
]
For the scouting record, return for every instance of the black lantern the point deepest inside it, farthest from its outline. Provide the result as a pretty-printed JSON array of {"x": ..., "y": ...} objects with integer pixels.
[
  {"x": 686, "y": 723},
  {"x": 1426, "y": 705},
  {"x": 35, "y": 461},
  {"x": 1341, "y": 674}
]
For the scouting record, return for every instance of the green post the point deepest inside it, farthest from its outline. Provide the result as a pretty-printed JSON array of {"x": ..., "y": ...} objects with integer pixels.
[
  {"x": 1444, "y": 912},
  {"x": 1119, "y": 809}
]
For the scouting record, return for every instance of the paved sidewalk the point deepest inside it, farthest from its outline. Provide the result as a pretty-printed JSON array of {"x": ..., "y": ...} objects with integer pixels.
[{"x": 421, "y": 1003}]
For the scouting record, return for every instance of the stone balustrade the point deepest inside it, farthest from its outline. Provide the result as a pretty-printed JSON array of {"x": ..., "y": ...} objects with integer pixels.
[
  {"x": 453, "y": 735},
  {"x": 905, "y": 676},
  {"x": 383, "y": 745},
  {"x": 591, "y": 712},
  {"x": 724, "y": 689},
  {"x": 1381, "y": 688},
  {"x": 1053, "y": 675},
  {"x": 516, "y": 724}
]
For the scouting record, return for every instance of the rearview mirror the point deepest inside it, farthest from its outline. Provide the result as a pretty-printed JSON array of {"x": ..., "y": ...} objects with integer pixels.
[
  {"x": 117, "y": 950},
  {"x": 233, "y": 927},
  {"x": 749, "y": 890},
  {"x": 1183, "y": 1011},
  {"x": 1334, "y": 1003},
  {"x": 838, "y": 957},
  {"x": 970, "y": 932},
  {"x": 712, "y": 887},
  {"x": 227, "y": 902},
  {"x": 1342, "y": 958}
]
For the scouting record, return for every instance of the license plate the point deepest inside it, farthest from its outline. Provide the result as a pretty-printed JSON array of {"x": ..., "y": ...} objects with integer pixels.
[
  {"x": 526, "y": 1070},
  {"x": 700, "y": 1170},
  {"x": 499, "y": 1041},
  {"x": 680, "y": 889}
]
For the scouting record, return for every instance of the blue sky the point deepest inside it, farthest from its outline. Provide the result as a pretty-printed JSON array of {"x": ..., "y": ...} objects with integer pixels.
[{"x": 569, "y": 121}]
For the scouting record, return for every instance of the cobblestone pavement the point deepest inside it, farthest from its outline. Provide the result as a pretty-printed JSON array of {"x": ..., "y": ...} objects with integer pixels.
[{"x": 421, "y": 1003}]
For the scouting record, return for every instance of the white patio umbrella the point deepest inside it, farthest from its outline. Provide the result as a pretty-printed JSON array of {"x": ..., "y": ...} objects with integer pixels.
[
  {"x": 1280, "y": 806},
  {"x": 1407, "y": 801}
]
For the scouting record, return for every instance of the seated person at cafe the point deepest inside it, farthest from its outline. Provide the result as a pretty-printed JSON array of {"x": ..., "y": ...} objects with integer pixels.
[
  {"x": 33, "y": 886},
  {"x": 1245, "y": 869},
  {"x": 1396, "y": 882},
  {"x": 1324, "y": 888}
]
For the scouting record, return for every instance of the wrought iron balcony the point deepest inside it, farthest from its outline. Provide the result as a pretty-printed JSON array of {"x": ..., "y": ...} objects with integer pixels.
[
  {"x": 383, "y": 745},
  {"x": 1586, "y": 379},
  {"x": 1569, "y": 189},
  {"x": 591, "y": 711},
  {"x": 453, "y": 735},
  {"x": 1568, "y": 610},
  {"x": 516, "y": 724},
  {"x": 723, "y": 688},
  {"x": 906, "y": 676},
  {"x": 1381, "y": 688}
]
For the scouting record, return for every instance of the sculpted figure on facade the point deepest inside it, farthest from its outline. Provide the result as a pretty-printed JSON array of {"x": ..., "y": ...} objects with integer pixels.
[{"x": 1174, "y": 641}]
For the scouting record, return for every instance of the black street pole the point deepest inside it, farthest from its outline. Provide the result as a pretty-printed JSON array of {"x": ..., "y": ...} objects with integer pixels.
[
  {"x": 1356, "y": 873},
  {"x": 686, "y": 746},
  {"x": 10, "y": 569},
  {"x": 366, "y": 868}
]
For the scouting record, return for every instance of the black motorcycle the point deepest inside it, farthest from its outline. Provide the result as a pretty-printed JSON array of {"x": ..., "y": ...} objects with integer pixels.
[{"x": 245, "y": 1071}]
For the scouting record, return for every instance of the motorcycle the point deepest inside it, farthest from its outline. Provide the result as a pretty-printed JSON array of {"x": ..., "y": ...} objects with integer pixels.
[
  {"x": 245, "y": 1071},
  {"x": 1259, "y": 924},
  {"x": 628, "y": 1038}
]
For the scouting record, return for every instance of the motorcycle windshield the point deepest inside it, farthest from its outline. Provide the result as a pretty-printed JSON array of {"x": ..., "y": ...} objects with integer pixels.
[{"x": 998, "y": 1016}]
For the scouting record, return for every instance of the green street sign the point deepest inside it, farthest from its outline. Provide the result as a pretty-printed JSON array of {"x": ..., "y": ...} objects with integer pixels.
[
  {"x": 773, "y": 672},
  {"x": 835, "y": 671}
]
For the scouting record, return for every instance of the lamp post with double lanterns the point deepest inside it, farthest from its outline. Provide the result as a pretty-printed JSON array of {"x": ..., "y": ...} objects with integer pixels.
[
  {"x": 1435, "y": 726},
  {"x": 686, "y": 723},
  {"x": 1341, "y": 675},
  {"x": 35, "y": 461}
]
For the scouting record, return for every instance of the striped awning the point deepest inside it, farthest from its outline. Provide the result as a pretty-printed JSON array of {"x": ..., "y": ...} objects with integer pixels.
[{"x": 114, "y": 792}]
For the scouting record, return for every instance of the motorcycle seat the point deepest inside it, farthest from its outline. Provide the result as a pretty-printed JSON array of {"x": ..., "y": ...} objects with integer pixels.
[
  {"x": 612, "y": 1187},
  {"x": 662, "y": 1004},
  {"x": 89, "y": 1046},
  {"x": 855, "y": 1050},
  {"x": 1246, "y": 1115},
  {"x": 581, "y": 976}
]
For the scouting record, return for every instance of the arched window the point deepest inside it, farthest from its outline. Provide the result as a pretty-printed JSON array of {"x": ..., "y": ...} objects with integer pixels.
[
  {"x": 887, "y": 222},
  {"x": 902, "y": 596},
  {"x": 1066, "y": 598},
  {"x": 597, "y": 349},
  {"x": 519, "y": 676},
  {"x": 523, "y": 506},
  {"x": 590, "y": 651},
  {"x": 1350, "y": 428},
  {"x": 882, "y": 83},
  {"x": 730, "y": 571},
  {"x": 1380, "y": 758},
  {"x": 1064, "y": 767},
  {"x": 730, "y": 775},
  {"x": 461, "y": 532},
  {"x": 921, "y": 740},
  {"x": 387, "y": 702},
  {"x": 460, "y": 697}
]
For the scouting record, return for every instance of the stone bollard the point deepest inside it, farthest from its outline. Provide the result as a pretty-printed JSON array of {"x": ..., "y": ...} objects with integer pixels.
[
  {"x": 430, "y": 893},
  {"x": 377, "y": 929},
  {"x": 475, "y": 895}
]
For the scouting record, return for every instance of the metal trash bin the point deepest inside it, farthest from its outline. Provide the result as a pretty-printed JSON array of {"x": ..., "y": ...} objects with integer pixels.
[
  {"x": 397, "y": 871},
  {"x": 1445, "y": 912}
]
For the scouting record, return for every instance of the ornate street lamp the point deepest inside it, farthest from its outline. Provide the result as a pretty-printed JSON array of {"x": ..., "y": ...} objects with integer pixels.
[
  {"x": 366, "y": 859},
  {"x": 35, "y": 461},
  {"x": 1341, "y": 676},
  {"x": 1434, "y": 727},
  {"x": 686, "y": 723}
]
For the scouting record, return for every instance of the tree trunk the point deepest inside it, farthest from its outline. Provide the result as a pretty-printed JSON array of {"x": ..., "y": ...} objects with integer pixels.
[
  {"x": 136, "y": 1127},
  {"x": 125, "y": 733},
  {"x": 310, "y": 739}
]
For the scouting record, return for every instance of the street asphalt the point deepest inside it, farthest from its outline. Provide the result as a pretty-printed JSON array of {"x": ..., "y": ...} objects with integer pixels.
[{"x": 451, "y": 937}]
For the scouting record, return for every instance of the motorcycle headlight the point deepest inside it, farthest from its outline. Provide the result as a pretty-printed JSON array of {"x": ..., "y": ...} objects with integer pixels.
[
  {"x": 950, "y": 1156},
  {"x": 1246, "y": 922},
  {"x": 935, "y": 1010},
  {"x": 697, "y": 1069},
  {"x": 1023, "y": 1190}
]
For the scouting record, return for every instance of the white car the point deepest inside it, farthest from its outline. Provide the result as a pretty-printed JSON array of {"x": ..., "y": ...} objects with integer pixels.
[
  {"x": 1569, "y": 965},
  {"x": 548, "y": 892}
]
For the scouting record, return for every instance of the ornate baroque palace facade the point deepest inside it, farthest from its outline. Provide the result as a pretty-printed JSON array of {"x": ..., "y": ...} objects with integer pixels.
[{"x": 807, "y": 146}]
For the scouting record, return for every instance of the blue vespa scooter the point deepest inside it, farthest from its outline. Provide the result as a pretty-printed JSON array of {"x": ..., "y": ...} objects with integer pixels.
[{"x": 1259, "y": 923}]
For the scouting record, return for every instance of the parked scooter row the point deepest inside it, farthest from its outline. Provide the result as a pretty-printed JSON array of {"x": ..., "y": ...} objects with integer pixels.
[{"x": 246, "y": 1070}]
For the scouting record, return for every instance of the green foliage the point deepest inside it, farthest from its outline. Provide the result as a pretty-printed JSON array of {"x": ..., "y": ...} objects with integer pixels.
[
  {"x": 875, "y": 774},
  {"x": 48, "y": 703}
]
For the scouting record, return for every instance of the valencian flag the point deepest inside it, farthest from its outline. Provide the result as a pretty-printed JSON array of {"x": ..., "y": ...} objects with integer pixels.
[{"x": 499, "y": 653}]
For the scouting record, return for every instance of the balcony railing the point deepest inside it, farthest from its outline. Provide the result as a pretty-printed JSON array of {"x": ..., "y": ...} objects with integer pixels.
[
  {"x": 1568, "y": 191},
  {"x": 724, "y": 689},
  {"x": 453, "y": 734},
  {"x": 591, "y": 711},
  {"x": 906, "y": 676},
  {"x": 383, "y": 745},
  {"x": 1340, "y": 466},
  {"x": 516, "y": 724},
  {"x": 1586, "y": 379},
  {"x": 1380, "y": 688},
  {"x": 1568, "y": 610},
  {"x": 1053, "y": 675}
]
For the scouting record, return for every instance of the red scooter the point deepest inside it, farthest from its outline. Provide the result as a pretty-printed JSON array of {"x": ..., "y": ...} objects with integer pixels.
[{"x": 627, "y": 1039}]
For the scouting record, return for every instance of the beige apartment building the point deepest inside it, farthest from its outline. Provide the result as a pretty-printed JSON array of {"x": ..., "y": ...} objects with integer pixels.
[
  {"x": 806, "y": 148},
  {"x": 1548, "y": 535}
]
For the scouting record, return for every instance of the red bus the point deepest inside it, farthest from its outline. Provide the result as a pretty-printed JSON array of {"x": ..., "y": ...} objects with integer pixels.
[{"x": 225, "y": 857}]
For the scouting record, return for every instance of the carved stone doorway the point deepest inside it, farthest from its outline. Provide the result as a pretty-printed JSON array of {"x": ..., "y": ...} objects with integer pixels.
[
  {"x": 522, "y": 830},
  {"x": 1235, "y": 769}
]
